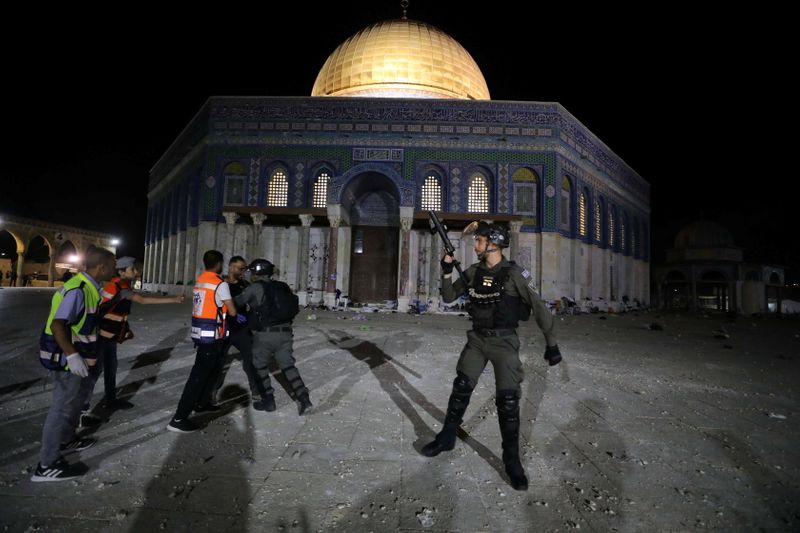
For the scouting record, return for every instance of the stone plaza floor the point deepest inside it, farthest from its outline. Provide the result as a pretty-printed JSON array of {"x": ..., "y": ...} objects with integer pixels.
[{"x": 653, "y": 422}]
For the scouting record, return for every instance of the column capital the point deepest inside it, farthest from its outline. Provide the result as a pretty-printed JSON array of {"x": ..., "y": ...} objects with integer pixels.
[
  {"x": 306, "y": 220},
  {"x": 515, "y": 226},
  {"x": 406, "y": 222},
  {"x": 334, "y": 220},
  {"x": 258, "y": 218},
  {"x": 230, "y": 217}
]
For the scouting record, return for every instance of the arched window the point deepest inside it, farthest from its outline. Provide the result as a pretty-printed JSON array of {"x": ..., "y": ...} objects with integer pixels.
[
  {"x": 566, "y": 191},
  {"x": 478, "y": 194},
  {"x": 582, "y": 214},
  {"x": 526, "y": 193},
  {"x": 431, "y": 193},
  {"x": 598, "y": 229},
  {"x": 611, "y": 229},
  {"x": 278, "y": 191},
  {"x": 235, "y": 176},
  {"x": 320, "y": 198}
]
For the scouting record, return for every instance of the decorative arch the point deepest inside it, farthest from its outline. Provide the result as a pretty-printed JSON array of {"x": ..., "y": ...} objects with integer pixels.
[
  {"x": 527, "y": 193},
  {"x": 235, "y": 183},
  {"x": 479, "y": 186},
  {"x": 320, "y": 184},
  {"x": 566, "y": 198},
  {"x": 277, "y": 185},
  {"x": 339, "y": 183},
  {"x": 431, "y": 190}
]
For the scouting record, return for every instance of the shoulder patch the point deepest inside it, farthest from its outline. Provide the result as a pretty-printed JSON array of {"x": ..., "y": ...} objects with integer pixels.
[{"x": 526, "y": 274}]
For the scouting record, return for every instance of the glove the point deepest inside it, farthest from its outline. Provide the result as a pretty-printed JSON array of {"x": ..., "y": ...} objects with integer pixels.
[
  {"x": 77, "y": 365},
  {"x": 241, "y": 319},
  {"x": 446, "y": 267}
]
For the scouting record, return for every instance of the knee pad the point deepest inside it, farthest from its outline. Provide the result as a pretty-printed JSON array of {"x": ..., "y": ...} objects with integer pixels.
[
  {"x": 463, "y": 384},
  {"x": 507, "y": 401}
]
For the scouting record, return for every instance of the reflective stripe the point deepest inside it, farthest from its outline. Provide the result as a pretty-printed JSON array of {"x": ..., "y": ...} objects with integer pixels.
[
  {"x": 115, "y": 318},
  {"x": 209, "y": 286},
  {"x": 106, "y": 295}
]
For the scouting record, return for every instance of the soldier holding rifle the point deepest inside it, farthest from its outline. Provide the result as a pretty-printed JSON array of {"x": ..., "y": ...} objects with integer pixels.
[{"x": 500, "y": 294}]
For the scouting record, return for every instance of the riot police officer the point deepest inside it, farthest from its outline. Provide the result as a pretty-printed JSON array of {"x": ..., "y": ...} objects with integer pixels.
[{"x": 501, "y": 293}]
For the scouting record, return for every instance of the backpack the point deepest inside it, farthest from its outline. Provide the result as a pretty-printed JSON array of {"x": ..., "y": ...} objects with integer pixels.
[{"x": 279, "y": 305}]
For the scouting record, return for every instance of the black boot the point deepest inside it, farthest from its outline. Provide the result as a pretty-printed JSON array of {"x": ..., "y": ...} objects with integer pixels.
[
  {"x": 508, "y": 415},
  {"x": 298, "y": 387},
  {"x": 266, "y": 403},
  {"x": 305, "y": 404},
  {"x": 552, "y": 355},
  {"x": 459, "y": 400}
]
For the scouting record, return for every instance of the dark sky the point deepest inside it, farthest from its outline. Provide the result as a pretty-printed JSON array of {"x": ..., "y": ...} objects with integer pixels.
[{"x": 695, "y": 102}]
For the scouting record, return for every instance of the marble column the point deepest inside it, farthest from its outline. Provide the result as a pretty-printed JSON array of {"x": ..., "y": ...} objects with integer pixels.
[
  {"x": 404, "y": 291},
  {"x": 330, "y": 272},
  {"x": 513, "y": 253},
  {"x": 302, "y": 267},
  {"x": 20, "y": 266},
  {"x": 51, "y": 268},
  {"x": 227, "y": 237},
  {"x": 254, "y": 251}
]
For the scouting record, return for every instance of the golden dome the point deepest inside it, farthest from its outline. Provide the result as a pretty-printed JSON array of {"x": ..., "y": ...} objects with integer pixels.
[{"x": 401, "y": 58}]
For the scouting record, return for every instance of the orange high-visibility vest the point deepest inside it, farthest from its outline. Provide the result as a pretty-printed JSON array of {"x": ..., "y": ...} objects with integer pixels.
[
  {"x": 208, "y": 320},
  {"x": 113, "y": 321}
]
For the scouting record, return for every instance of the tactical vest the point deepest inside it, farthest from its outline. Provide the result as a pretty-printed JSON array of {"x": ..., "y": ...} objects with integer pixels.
[
  {"x": 208, "y": 320},
  {"x": 491, "y": 307},
  {"x": 84, "y": 332}
]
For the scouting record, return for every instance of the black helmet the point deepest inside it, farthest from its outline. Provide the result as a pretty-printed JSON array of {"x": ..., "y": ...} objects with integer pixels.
[
  {"x": 496, "y": 233},
  {"x": 261, "y": 267}
]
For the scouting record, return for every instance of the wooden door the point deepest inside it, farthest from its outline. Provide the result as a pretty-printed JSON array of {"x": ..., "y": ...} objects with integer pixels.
[{"x": 373, "y": 264}]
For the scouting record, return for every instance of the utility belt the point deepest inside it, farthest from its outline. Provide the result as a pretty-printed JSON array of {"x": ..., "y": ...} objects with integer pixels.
[{"x": 495, "y": 332}]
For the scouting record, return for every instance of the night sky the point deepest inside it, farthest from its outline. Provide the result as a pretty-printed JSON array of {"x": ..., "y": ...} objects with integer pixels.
[{"x": 694, "y": 102}]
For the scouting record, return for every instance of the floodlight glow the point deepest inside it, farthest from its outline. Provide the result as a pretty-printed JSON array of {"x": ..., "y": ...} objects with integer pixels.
[
  {"x": 74, "y": 258},
  {"x": 114, "y": 242}
]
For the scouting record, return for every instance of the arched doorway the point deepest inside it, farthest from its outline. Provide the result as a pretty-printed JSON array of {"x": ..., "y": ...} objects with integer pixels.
[
  {"x": 712, "y": 291},
  {"x": 372, "y": 201},
  {"x": 8, "y": 258},
  {"x": 676, "y": 291},
  {"x": 37, "y": 263}
]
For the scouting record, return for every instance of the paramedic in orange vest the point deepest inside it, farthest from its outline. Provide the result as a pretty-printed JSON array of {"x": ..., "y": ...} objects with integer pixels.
[
  {"x": 211, "y": 305},
  {"x": 117, "y": 297}
]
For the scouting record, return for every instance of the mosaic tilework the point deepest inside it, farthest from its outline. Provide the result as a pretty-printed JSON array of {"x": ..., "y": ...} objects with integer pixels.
[
  {"x": 455, "y": 189},
  {"x": 503, "y": 195},
  {"x": 252, "y": 189},
  {"x": 299, "y": 183}
]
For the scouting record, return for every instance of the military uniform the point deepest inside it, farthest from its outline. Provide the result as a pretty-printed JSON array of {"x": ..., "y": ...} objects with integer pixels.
[
  {"x": 276, "y": 341},
  {"x": 494, "y": 337},
  {"x": 499, "y": 296}
]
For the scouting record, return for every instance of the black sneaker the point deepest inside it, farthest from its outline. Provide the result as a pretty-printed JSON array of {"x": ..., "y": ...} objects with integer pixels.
[
  {"x": 305, "y": 404},
  {"x": 78, "y": 445},
  {"x": 552, "y": 355},
  {"x": 182, "y": 426},
  {"x": 210, "y": 408},
  {"x": 89, "y": 420},
  {"x": 265, "y": 404},
  {"x": 59, "y": 471}
]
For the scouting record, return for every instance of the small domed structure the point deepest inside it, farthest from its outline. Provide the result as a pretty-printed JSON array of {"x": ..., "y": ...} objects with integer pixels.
[{"x": 703, "y": 234}]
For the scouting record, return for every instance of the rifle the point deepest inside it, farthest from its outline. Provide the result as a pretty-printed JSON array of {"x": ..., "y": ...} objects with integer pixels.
[{"x": 441, "y": 229}]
